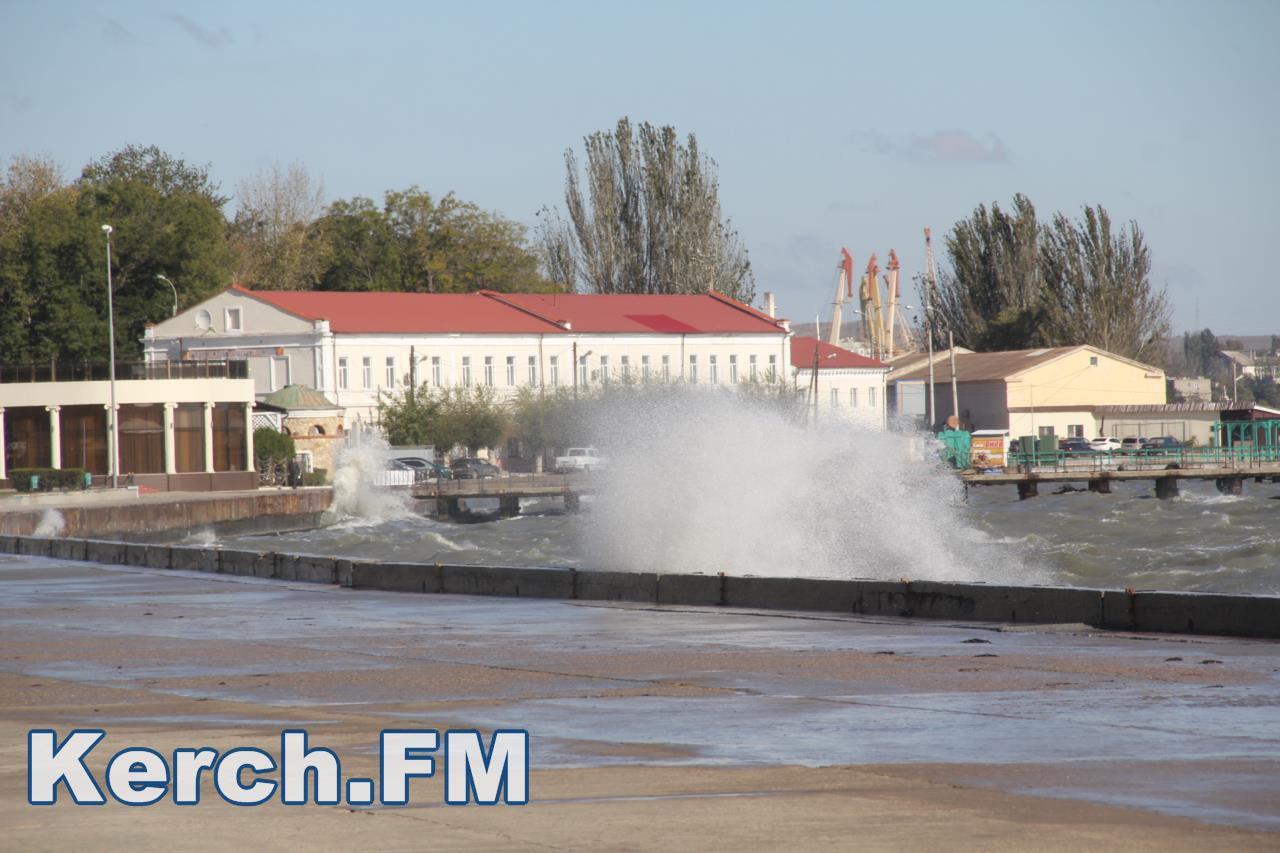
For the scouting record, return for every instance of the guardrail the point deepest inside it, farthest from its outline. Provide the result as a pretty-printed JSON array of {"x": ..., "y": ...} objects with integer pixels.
[
  {"x": 1138, "y": 460},
  {"x": 125, "y": 370}
]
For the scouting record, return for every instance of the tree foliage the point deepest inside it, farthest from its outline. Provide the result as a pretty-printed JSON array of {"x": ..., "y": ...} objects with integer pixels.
[
  {"x": 643, "y": 216},
  {"x": 444, "y": 417},
  {"x": 1015, "y": 283},
  {"x": 272, "y": 235},
  {"x": 417, "y": 243}
]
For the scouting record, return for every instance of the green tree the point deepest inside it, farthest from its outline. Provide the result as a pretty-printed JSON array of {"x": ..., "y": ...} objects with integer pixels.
[
  {"x": 1198, "y": 352},
  {"x": 407, "y": 417},
  {"x": 415, "y": 243},
  {"x": 167, "y": 219},
  {"x": 272, "y": 450},
  {"x": 648, "y": 220}
]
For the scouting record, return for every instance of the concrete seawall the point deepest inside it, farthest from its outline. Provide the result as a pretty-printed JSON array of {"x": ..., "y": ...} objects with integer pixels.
[
  {"x": 1165, "y": 612},
  {"x": 168, "y": 516}
]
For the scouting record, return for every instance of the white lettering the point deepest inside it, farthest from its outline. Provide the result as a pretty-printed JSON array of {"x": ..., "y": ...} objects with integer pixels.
[
  {"x": 298, "y": 761},
  {"x": 48, "y": 764},
  {"x": 188, "y": 764},
  {"x": 137, "y": 777},
  {"x": 468, "y": 769},
  {"x": 227, "y": 777},
  {"x": 402, "y": 761}
]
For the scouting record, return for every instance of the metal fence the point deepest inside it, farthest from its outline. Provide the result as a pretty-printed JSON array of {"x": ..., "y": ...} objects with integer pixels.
[{"x": 1140, "y": 460}]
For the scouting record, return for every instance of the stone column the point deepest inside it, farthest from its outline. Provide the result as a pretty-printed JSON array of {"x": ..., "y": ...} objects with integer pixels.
[
  {"x": 248, "y": 436},
  {"x": 4, "y": 474},
  {"x": 208, "y": 438},
  {"x": 170, "y": 440},
  {"x": 55, "y": 436}
]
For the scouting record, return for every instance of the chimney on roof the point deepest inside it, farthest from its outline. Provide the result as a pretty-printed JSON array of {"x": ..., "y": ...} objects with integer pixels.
[{"x": 770, "y": 307}]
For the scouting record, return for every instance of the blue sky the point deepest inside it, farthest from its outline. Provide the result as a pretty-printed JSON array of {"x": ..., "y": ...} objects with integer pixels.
[{"x": 833, "y": 123}]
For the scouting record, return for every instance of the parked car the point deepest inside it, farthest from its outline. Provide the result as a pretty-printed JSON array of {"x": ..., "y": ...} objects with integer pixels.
[
  {"x": 1075, "y": 444},
  {"x": 1103, "y": 444},
  {"x": 470, "y": 468},
  {"x": 580, "y": 459},
  {"x": 1132, "y": 444},
  {"x": 1163, "y": 442},
  {"x": 427, "y": 469}
]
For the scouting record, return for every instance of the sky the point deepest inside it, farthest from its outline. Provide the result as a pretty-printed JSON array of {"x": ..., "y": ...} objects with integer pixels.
[{"x": 833, "y": 124}]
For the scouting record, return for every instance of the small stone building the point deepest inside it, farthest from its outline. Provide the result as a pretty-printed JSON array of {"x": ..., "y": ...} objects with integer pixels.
[{"x": 313, "y": 421}]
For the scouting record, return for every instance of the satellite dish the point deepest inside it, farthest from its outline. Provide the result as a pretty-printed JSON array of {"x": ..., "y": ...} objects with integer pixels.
[{"x": 203, "y": 320}]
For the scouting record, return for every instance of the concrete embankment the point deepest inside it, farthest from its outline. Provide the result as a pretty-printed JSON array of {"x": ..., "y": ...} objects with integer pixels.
[
  {"x": 171, "y": 515},
  {"x": 1123, "y": 610}
]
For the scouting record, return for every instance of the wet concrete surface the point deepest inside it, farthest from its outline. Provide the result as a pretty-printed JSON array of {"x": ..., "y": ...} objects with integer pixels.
[{"x": 1185, "y": 727}]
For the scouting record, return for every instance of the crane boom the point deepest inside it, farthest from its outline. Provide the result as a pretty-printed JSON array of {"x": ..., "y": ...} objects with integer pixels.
[{"x": 844, "y": 287}]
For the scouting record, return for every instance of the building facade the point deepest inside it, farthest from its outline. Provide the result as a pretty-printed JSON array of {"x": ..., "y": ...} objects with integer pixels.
[
  {"x": 1049, "y": 391},
  {"x": 849, "y": 386},
  {"x": 182, "y": 427},
  {"x": 357, "y": 347}
]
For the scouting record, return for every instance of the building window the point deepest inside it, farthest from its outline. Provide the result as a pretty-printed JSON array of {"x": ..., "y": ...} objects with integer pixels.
[
  {"x": 871, "y": 397},
  {"x": 835, "y": 398},
  {"x": 466, "y": 370},
  {"x": 582, "y": 370},
  {"x": 488, "y": 370},
  {"x": 1044, "y": 431},
  {"x": 366, "y": 371},
  {"x": 391, "y": 371},
  {"x": 853, "y": 398},
  {"x": 604, "y": 368},
  {"x": 533, "y": 371},
  {"x": 228, "y": 437},
  {"x": 666, "y": 368},
  {"x": 751, "y": 367},
  {"x": 233, "y": 321},
  {"x": 626, "y": 367},
  {"x": 773, "y": 368},
  {"x": 1075, "y": 430},
  {"x": 188, "y": 437},
  {"x": 644, "y": 367},
  {"x": 693, "y": 369},
  {"x": 342, "y": 373},
  {"x": 713, "y": 373},
  {"x": 555, "y": 371},
  {"x": 435, "y": 370},
  {"x": 511, "y": 370},
  {"x": 733, "y": 370},
  {"x": 1093, "y": 361}
]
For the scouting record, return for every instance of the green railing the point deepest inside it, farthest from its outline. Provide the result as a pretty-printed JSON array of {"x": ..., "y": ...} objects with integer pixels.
[{"x": 1238, "y": 456}]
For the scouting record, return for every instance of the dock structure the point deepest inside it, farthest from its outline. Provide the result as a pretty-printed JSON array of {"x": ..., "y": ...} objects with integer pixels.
[
  {"x": 507, "y": 490},
  {"x": 1227, "y": 467}
]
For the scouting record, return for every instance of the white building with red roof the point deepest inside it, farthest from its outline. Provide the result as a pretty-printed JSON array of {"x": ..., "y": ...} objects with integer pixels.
[
  {"x": 849, "y": 385},
  {"x": 353, "y": 346}
]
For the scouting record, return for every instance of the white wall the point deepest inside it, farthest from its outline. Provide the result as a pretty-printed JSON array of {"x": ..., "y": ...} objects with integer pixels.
[{"x": 859, "y": 393}]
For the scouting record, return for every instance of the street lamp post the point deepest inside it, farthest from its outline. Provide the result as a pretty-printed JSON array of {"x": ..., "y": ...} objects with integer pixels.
[
  {"x": 111, "y": 343},
  {"x": 166, "y": 280}
]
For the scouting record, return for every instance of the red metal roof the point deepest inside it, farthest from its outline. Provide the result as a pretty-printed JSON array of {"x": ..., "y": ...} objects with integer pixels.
[
  {"x": 505, "y": 313},
  {"x": 830, "y": 356}
]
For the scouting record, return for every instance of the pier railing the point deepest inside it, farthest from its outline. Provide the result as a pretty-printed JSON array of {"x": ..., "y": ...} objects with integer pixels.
[{"x": 1067, "y": 461}]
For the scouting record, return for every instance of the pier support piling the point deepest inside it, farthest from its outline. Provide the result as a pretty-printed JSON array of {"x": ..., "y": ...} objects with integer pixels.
[
  {"x": 571, "y": 502},
  {"x": 508, "y": 506},
  {"x": 1166, "y": 487},
  {"x": 1028, "y": 489},
  {"x": 1230, "y": 485},
  {"x": 1102, "y": 487}
]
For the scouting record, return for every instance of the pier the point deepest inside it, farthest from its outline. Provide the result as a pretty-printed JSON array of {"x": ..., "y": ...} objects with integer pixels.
[
  {"x": 1227, "y": 467},
  {"x": 507, "y": 490}
]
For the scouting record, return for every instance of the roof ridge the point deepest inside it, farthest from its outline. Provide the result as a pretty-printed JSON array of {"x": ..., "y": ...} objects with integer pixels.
[
  {"x": 504, "y": 300},
  {"x": 742, "y": 306}
]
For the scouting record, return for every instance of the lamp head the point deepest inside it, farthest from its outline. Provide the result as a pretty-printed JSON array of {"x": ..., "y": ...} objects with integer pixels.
[{"x": 106, "y": 229}]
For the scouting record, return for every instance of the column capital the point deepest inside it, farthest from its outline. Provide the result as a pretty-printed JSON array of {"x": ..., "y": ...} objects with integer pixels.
[
  {"x": 53, "y": 409},
  {"x": 208, "y": 406},
  {"x": 170, "y": 406}
]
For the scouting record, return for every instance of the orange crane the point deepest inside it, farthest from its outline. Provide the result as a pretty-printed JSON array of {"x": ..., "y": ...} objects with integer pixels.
[{"x": 844, "y": 288}]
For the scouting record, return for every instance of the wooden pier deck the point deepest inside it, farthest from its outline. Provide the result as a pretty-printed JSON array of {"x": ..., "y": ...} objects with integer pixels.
[
  {"x": 507, "y": 489},
  {"x": 1227, "y": 468}
]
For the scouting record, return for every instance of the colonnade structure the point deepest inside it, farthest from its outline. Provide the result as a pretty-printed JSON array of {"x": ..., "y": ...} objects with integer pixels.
[{"x": 181, "y": 426}]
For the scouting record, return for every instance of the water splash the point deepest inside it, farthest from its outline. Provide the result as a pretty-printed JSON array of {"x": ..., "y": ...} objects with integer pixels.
[
  {"x": 51, "y": 524},
  {"x": 703, "y": 482},
  {"x": 356, "y": 497}
]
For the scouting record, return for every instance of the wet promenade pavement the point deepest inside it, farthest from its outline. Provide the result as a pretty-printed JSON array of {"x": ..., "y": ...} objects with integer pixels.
[{"x": 651, "y": 727}]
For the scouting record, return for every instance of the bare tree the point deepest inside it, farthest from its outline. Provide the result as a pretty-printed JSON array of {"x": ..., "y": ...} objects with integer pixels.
[
  {"x": 26, "y": 180},
  {"x": 272, "y": 231},
  {"x": 1098, "y": 287},
  {"x": 643, "y": 216}
]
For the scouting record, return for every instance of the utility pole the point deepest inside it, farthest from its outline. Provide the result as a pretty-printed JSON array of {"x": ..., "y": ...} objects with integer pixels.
[
  {"x": 111, "y": 339},
  {"x": 955, "y": 391},
  {"x": 931, "y": 277}
]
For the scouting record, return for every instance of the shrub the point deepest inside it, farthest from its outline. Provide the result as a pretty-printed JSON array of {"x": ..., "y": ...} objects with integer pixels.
[
  {"x": 318, "y": 477},
  {"x": 50, "y": 479}
]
